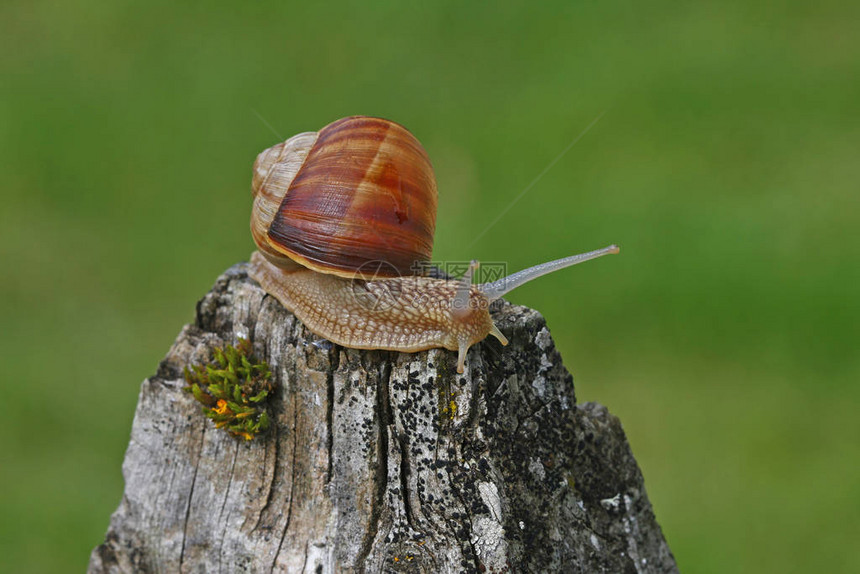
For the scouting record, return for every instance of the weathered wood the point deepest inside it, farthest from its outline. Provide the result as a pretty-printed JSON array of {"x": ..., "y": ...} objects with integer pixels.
[{"x": 379, "y": 461}]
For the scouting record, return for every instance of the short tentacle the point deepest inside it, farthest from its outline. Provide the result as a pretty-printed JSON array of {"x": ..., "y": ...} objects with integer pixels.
[
  {"x": 461, "y": 356},
  {"x": 494, "y": 331}
]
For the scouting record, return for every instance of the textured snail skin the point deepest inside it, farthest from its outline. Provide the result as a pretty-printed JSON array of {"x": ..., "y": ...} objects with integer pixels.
[{"x": 408, "y": 314}]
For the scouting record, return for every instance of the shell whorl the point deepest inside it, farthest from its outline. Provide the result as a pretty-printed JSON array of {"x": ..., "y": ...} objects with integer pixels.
[{"x": 274, "y": 171}]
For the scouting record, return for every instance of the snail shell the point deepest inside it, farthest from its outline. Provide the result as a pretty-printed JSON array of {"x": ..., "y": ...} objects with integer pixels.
[{"x": 356, "y": 198}]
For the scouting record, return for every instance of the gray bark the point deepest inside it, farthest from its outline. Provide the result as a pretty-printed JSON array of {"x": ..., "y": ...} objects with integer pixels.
[{"x": 368, "y": 468}]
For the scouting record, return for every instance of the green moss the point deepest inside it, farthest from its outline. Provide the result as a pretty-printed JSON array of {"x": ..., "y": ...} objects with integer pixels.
[{"x": 233, "y": 389}]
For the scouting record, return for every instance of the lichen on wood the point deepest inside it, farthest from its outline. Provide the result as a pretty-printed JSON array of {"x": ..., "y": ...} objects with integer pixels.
[{"x": 379, "y": 461}]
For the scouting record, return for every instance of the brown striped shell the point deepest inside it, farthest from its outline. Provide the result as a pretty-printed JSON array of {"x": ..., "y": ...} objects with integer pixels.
[{"x": 356, "y": 198}]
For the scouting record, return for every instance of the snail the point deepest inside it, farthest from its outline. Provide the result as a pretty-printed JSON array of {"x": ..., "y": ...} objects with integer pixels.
[{"x": 344, "y": 220}]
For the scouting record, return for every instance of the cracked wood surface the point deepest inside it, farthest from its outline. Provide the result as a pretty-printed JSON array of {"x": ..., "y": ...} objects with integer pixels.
[{"x": 379, "y": 461}]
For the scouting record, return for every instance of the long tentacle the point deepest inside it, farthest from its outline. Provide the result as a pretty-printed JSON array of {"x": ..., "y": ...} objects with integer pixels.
[{"x": 507, "y": 284}]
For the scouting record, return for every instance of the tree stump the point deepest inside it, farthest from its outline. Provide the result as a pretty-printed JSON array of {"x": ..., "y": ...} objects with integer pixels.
[{"x": 379, "y": 461}]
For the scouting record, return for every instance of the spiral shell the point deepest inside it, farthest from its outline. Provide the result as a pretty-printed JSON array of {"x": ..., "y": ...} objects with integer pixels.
[{"x": 356, "y": 198}]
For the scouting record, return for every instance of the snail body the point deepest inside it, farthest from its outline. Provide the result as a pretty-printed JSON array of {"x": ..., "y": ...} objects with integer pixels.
[
  {"x": 410, "y": 313},
  {"x": 343, "y": 220}
]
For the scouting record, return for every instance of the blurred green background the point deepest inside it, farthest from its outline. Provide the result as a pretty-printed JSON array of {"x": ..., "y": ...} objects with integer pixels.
[{"x": 726, "y": 166}]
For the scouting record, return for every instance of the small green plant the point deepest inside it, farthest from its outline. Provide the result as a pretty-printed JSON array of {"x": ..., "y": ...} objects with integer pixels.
[{"x": 233, "y": 389}]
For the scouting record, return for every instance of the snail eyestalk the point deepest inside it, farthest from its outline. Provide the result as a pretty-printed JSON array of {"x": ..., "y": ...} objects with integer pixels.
[
  {"x": 505, "y": 285},
  {"x": 460, "y": 303}
]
